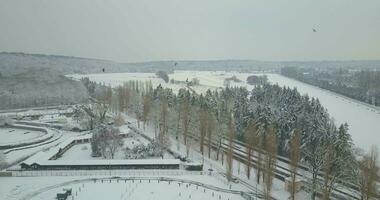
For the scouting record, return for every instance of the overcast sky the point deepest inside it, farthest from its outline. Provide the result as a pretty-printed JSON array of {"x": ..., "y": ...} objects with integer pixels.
[{"x": 145, "y": 30}]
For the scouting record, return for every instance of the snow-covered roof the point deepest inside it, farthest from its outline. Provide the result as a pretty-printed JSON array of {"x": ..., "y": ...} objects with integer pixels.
[{"x": 109, "y": 162}]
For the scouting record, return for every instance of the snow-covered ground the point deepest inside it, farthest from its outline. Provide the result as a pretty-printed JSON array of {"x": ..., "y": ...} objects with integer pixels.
[
  {"x": 363, "y": 120},
  {"x": 15, "y": 135},
  {"x": 46, "y": 188},
  {"x": 78, "y": 152}
]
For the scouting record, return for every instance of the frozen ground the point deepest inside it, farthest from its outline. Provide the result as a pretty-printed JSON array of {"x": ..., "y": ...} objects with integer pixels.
[
  {"x": 363, "y": 120},
  {"x": 14, "y": 135}
]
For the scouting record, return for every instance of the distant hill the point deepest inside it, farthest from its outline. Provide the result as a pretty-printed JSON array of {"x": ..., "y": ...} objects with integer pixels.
[
  {"x": 14, "y": 63},
  {"x": 36, "y": 79},
  {"x": 349, "y": 64},
  {"x": 39, "y": 87}
]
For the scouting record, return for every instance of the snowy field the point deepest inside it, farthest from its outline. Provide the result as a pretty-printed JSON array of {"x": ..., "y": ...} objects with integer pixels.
[
  {"x": 84, "y": 188},
  {"x": 208, "y": 80},
  {"x": 363, "y": 120},
  {"x": 14, "y": 136}
]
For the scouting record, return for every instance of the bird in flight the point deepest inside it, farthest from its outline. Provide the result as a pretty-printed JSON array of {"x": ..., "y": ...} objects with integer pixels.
[{"x": 314, "y": 30}]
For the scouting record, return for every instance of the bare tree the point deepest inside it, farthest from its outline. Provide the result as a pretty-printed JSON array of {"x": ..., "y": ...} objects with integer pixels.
[
  {"x": 163, "y": 121},
  {"x": 155, "y": 117},
  {"x": 106, "y": 142},
  {"x": 121, "y": 98},
  {"x": 137, "y": 107},
  {"x": 231, "y": 132},
  {"x": 147, "y": 104},
  {"x": 328, "y": 177},
  {"x": 259, "y": 160},
  {"x": 251, "y": 142},
  {"x": 202, "y": 129},
  {"x": 95, "y": 113},
  {"x": 105, "y": 95},
  {"x": 127, "y": 97},
  {"x": 210, "y": 131},
  {"x": 368, "y": 175},
  {"x": 294, "y": 155},
  {"x": 185, "y": 118},
  {"x": 89, "y": 116},
  {"x": 119, "y": 120},
  {"x": 270, "y": 161},
  {"x": 188, "y": 146},
  {"x": 114, "y": 142}
]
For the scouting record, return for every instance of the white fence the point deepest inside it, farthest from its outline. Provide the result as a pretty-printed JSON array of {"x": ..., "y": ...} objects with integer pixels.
[{"x": 32, "y": 173}]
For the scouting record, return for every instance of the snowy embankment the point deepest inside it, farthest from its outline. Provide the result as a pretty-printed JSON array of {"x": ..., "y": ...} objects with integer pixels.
[{"x": 363, "y": 120}]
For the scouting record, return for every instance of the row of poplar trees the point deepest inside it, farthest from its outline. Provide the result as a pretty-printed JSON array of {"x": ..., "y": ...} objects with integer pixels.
[{"x": 269, "y": 120}]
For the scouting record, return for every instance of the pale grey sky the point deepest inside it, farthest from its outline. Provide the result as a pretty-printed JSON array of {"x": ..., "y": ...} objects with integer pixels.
[{"x": 144, "y": 30}]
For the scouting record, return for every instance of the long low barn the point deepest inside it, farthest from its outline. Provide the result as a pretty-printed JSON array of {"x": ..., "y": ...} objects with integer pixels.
[{"x": 102, "y": 164}]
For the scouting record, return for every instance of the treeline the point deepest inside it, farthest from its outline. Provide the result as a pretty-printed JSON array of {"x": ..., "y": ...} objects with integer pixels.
[
  {"x": 257, "y": 80},
  {"x": 361, "y": 85},
  {"x": 39, "y": 88},
  {"x": 270, "y": 120}
]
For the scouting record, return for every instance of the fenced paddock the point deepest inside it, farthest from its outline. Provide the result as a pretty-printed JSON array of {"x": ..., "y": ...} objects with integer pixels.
[{"x": 141, "y": 188}]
